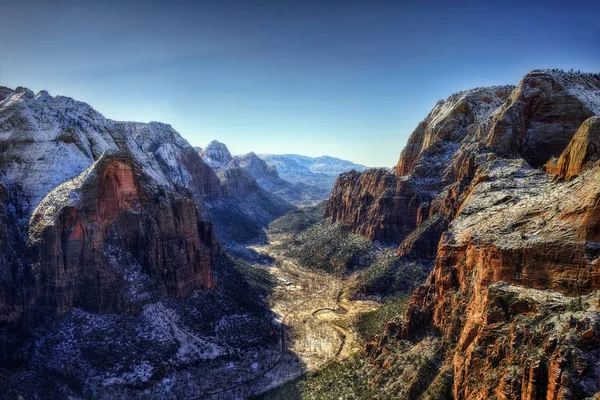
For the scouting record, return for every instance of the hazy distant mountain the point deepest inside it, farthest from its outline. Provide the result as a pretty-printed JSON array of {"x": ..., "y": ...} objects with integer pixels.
[
  {"x": 315, "y": 171},
  {"x": 268, "y": 178},
  {"x": 245, "y": 207}
]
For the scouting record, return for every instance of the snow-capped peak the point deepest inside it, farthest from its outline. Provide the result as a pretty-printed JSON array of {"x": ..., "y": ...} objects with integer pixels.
[{"x": 217, "y": 155}]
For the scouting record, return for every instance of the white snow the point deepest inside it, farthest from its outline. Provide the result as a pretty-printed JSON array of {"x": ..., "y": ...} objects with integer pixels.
[{"x": 163, "y": 325}]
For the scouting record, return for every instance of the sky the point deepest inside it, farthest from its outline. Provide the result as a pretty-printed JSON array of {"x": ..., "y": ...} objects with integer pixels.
[{"x": 350, "y": 79}]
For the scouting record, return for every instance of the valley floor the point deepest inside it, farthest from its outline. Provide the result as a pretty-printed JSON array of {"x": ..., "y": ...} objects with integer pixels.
[{"x": 317, "y": 323}]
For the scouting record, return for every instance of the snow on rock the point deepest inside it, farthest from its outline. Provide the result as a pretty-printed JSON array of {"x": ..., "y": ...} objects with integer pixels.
[
  {"x": 217, "y": 155},
  {"x": 162, "y": 324}
]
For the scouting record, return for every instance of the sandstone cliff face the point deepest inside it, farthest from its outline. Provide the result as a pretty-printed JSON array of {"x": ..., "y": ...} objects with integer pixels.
[
  {"x": 387, "y": 207},
  {"x": 114, "y": 210},
  {"x": 367, "y": 203},
  {"x": 108, "y": 242},
  {"x": 513, "y": 294},
  {"x": 104, "y": 239},
  {"x": 448, "y": 121},
  {"x": 581, "y": 153},
  {"x": 507, "y": 275},
  {"x": 542, "y": 114}
]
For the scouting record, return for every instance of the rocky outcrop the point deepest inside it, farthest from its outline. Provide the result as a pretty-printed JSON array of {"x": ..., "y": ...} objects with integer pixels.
[
  {"x": 257, "y": 167},
  {"x": 176, "y": 157},
  {"x": 105, "y": 252},
  {"x": 114, "y": 210},
  {"x": 388, "y": 207},
  {"x": 543, "y": 113},
  {"x": 244, "y": 208},
  {"x": 237, "y": 182},
  {"x": 449, "y": 120},
  {"x": 217, "y": 155},
  {"x": 513, "y": 293},
  {"x": 110, "y": 240},
  {"x": 367, "y": 202},
  {"x": 582, "y": 152}
]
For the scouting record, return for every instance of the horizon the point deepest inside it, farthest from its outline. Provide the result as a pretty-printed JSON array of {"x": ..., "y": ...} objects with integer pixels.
[{"x": 349, "y": 81}]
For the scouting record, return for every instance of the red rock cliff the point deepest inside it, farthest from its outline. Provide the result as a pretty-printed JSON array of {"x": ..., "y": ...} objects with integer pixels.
[
  {"x": 110, "y": 240},
  {"x": 581, "y": 153},
  {"x": 509, "y": 261},
  {"x": 385, "y": 207},
  {"x": 513, "y": 298}
]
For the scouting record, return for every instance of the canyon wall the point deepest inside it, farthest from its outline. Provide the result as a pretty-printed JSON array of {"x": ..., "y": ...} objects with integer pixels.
[
  {"x": 513, "y": 296},
  {"x": 116, "y": 242},
  {"x": 95, "y": 214}
]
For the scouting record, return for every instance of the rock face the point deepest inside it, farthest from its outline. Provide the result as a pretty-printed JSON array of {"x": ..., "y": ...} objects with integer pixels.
[
  {"x": 266, "y": 176},
  {"x": 177, "y": 159},
  {"x": 96, "y": 237},
  {"x": 367, "y": 202},
  {"x": 388, "y": 208},
  {"x": 97, "y": 214},
  {"x": 513, "y": 293},
  {"x": 217, "y": 155},
  {"x": 513, "y": 286},
  {"x": 542, "y": 114},
  {"x": 112, "y": 284},
  {"x": 448, "y": 122},
  {"x": 581, "y": 153}
]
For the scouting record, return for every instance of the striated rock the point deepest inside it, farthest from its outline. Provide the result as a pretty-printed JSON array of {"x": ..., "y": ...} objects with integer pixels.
[
  {"x": 538, "y": 236},
  {"x": 389, "y": 208},
  {"x": 110, "y": 240},
  {"x": 448, "y": 121},
  {"x": 581, "y": 153},
  {"x": 366, "y": 202},
  {"x": 109, "y": 207},
  {"x": 513, "y": 293},
  {"x": 104, "y": 239},
  {"x": 543, "y": 113}
]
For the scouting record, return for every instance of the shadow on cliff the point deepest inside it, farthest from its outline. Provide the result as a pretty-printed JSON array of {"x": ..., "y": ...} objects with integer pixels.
[{"x": 215, "y": 342}]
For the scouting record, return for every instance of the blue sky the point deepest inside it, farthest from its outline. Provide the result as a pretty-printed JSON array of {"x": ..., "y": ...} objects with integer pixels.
[{"x": 345, "y": 78}]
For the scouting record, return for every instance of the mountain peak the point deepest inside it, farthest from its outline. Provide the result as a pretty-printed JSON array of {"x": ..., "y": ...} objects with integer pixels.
[{"x": 217, "y": 151}]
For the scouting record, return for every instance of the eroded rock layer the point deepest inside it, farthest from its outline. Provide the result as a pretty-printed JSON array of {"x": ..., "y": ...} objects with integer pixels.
[
  {"x": 581, "y": 153},
  {"x": 96, "y": 214},
  {"x": 513, "y": 295},
  {"x": 117, "y": 242}
]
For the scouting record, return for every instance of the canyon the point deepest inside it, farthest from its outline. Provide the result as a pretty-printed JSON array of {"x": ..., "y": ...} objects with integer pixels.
[{"x": 135, "y": 265}]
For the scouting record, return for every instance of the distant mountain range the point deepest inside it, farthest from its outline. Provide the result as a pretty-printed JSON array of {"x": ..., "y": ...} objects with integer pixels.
[
  {"x": 315, "y": 171},
  {"x": 297, "y": 179}
]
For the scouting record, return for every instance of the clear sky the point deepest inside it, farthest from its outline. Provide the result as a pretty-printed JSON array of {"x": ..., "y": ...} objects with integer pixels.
[{"x": 345, "y": 78}]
